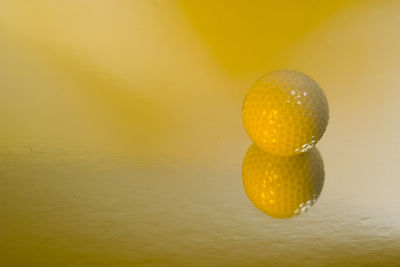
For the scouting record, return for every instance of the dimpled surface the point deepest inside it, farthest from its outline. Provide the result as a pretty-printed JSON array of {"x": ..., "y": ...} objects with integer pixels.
[
  {"x": 285, "y": 112},
  {"x": 282, "y": 187}
]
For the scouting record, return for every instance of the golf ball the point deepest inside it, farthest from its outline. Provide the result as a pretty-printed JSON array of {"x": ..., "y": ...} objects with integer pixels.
[
  {"x": 285, "y": 113},
  {"x": 282, "y": 187}
]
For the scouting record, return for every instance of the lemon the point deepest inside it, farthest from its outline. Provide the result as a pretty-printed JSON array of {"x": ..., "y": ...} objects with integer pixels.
[
  {"x": 285, "y": 112},
  {"x": 282, "y": 187}
]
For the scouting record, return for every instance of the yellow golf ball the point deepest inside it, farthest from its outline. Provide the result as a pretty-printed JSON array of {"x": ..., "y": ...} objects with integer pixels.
[
  {"x": 282, "y": 187},
  {"x": 285, "y": 112}
]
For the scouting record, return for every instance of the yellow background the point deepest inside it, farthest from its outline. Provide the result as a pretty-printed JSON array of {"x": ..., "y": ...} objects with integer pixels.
[{"x": 121, "y": 138}]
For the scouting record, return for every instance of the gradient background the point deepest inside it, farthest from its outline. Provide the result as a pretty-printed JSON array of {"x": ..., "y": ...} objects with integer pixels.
[{"x": 122, "y": 141}]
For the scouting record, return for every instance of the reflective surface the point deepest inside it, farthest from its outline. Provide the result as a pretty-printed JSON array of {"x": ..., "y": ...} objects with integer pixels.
[
  {"x": 280, "y": 186},
  {"x": 122, "y": 138}
]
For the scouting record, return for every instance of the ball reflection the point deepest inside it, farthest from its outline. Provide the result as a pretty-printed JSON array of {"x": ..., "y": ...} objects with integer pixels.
[{"x": 282, "y": 187}]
